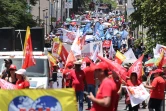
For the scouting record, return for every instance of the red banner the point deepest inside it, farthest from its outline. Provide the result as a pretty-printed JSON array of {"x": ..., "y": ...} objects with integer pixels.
[{"x": 107, "y": 43}]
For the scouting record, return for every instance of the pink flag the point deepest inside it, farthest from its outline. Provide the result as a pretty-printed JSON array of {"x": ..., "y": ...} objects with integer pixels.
[{"x": 6, "y": 85}]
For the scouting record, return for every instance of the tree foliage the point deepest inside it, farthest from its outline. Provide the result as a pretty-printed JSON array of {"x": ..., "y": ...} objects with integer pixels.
[
  {"x": 112, "y": 2},
  {"x": 14, "y": 14},
  {"x": 151, "y": 14}
]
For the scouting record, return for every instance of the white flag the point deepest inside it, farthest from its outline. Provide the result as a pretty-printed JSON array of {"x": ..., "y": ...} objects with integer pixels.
[
  {"x": 111, "y": 52},
  {"x": 130, "y": 55},
  {"x": 94, "y": 57},
  {"x": 76, "y": 46}
]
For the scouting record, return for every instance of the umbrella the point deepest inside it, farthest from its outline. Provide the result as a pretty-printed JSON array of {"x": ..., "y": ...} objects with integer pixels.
[{"x": 150, "y": 62}]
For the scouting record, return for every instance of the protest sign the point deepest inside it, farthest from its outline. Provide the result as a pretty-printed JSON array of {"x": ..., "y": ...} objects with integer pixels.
[{"x": 137, "y": 94}]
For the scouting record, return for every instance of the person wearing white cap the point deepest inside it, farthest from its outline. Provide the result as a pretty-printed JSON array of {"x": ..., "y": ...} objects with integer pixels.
[
  {"x": 22, "y": 83},
  {"x": 78, "y": 82}
]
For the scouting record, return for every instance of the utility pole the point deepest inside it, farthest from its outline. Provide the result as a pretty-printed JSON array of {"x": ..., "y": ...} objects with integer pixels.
[
  {"x": 51, "y": 14},
  {"x": 56, "y": 9},
  {"x": 46, "y": 22},
  {"x": 39, "y": 12}
]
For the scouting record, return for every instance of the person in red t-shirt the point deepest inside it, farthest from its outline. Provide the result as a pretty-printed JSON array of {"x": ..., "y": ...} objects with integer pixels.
[
  {"x": 105, "y": 99},
  {"x": 157, "y": 91},
  {"x": 22, "y": 83},
  {"x": 67, "y": 75},
  {"x": 78, "y": 81},
  {"x": 133, "y": 81},
  {"x": 89, "y": 75},
  {"x": 115, "y": 78}
]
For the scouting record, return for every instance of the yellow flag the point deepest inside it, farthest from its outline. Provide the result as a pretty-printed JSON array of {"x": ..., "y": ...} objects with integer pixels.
[
  {"x": 159, "y": 59},
  {"x": 60, "y": 45},
  {"x": 119, "y": 57},
  {"x": 38, "y": 100},
  {"x": 51, "y": 58},
  {"x": 27, "y": 36}
]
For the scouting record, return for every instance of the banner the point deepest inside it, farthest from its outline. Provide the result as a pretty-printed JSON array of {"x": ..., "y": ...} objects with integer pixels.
[
  {"x": 38, "y": 100},
  {"x": 6, "y": 85},
  {"x": 68, "y": 36},
  {"x": 88, "y": 49},
  {"x": 107, "y": 43},
  {"x": 158, "y": 50},
  {"x": 137, "y": 94}
]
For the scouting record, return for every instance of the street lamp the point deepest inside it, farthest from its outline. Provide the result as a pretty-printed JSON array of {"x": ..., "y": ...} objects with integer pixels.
[{"x": 45, "y": 17}]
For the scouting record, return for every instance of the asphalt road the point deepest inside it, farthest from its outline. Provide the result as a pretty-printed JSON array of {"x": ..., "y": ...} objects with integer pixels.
[{"x": 121, "y": 106}]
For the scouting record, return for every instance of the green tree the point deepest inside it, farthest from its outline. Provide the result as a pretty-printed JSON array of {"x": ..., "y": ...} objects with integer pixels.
[
  {"x": 14, "y": 14},
  {"x": 151, "y": 14},
  {"x": 112, "y": 2}
]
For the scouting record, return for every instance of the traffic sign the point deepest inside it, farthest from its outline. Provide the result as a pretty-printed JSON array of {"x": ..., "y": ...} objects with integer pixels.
[{"x": 69, "y": 4}]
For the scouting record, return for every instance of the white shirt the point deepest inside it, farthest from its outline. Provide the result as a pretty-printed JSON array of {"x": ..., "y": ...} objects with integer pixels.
[{"x": 60, "y": 65}]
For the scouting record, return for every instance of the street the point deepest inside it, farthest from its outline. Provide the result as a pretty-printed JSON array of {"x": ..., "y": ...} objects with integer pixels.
[{"x": 121, "y": 106}]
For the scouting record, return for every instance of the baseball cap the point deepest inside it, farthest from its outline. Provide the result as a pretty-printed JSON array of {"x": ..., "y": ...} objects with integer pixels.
[
  {"x": 158, "y": 71},
  {"x": 101, "y": 65},
  {"x": 21, "y": 72},
  {"x": 13, "y": 67},
  {"x": 8, "y": 61},
  {"x": 73, "y": 23},
  {"x": 70, "y": 64}
]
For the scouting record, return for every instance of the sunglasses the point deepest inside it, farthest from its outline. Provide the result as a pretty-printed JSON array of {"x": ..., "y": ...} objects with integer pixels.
[{"x": 12, "y": 69}]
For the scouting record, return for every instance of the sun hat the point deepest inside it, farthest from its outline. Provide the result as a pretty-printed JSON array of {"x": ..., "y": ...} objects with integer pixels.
[
  {"x": 78, "y": 62},
  {"x": 21, "y": 72}
]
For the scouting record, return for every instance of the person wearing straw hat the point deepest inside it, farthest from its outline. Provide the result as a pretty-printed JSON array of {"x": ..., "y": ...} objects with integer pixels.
[
  {"x": 157, "y": 88},
  {"x": 78, "y": 82},
  {"x": 22, "y": 82}
]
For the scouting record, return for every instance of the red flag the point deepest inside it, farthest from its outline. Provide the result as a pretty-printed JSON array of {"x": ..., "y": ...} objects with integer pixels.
[
  {"x": 160, "y": 61},
  {"x": 70, "y": 58},
  {"x": 137, "y": 67},
  {"x": 28, "y": 52},
  {"x": 88, "y": 59},
  {"x": 121, "y": 71},
  {"x": 63, "y": 54}
]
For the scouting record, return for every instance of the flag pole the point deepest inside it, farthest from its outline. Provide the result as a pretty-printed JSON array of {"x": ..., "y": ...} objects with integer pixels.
[{"x": 19, "y": 34}]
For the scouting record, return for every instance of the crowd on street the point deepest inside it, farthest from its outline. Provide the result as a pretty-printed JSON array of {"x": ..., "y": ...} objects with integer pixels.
[{"x": 101, "y": 82}]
